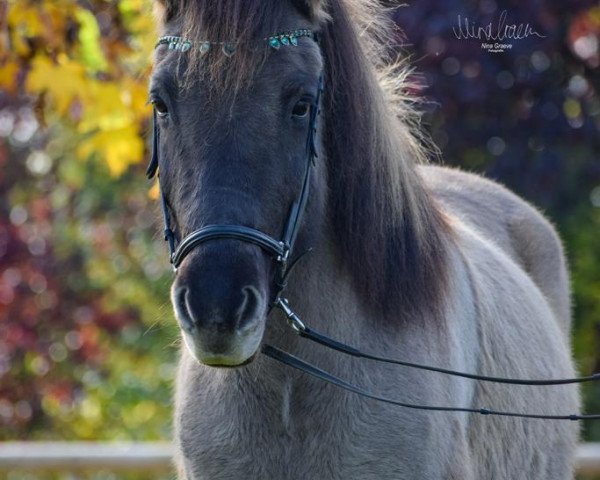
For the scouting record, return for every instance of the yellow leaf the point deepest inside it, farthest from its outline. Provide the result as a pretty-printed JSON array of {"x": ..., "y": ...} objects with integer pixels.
[
  {"x": 8, "y": 76},
  {"x": 154, "y": 191},
  {"x": 119, "y": 148},
  {"x": 25, "y": 20},
  {"x": 104, "y": 107},
  {"x": 43, "y": 20},
  {"x": 135, "y": 96},
  {"x": 89, "y": 39},
  {"x": 594, "y": 14},
  {"x": 64, "y": 81}
]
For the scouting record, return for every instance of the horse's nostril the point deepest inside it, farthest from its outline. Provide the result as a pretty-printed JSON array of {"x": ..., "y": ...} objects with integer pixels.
[
  {"x": 181, "y": 305},
  {"x": 249, "y": 309}
]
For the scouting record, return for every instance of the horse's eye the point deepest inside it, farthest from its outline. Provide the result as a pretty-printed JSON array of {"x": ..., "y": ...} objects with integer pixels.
[
  {"x": 301, "y": 109},
  {"x": 160, "y": 106}
]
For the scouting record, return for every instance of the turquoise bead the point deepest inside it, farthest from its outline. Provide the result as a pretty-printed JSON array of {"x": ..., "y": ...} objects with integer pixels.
[
  {"x": 229, "y": 49},
  {"x": 274, "y": 42}
]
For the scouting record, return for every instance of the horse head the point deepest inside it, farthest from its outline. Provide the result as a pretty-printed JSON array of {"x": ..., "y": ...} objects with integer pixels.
[{"x": 235, "y": 107}]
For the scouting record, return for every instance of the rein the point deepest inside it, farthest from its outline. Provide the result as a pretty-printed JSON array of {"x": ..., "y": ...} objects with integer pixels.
[
  {"x": 310, "y": 334},
  {"x": 280, "y": 251},
  {"x": 301, "y": 329},
  {"x": 295, "y": 362}
]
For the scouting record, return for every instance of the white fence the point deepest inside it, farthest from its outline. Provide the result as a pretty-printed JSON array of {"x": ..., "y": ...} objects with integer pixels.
[
  {"x": 148, "y": 456},
  {"x": 588, "y": 459},
  {"x": 70, "y": 456}
]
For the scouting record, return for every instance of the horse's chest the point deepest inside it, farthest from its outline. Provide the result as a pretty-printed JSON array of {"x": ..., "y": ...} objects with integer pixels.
[
  {"x": 258, "y": 438},
  {"x": 286, "y": 435}
]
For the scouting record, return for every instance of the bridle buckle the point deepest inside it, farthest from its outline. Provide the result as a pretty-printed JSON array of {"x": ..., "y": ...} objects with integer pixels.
[
  {"x": 283, "y": 258},
  {"x": 292, "y": 318}
]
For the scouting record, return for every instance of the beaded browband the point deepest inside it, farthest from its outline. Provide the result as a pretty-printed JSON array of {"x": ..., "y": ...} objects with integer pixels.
[{"x": 275, "y": 41}]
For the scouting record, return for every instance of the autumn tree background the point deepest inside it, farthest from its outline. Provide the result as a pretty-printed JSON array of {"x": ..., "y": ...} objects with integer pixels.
[{"x": 87, "y": 338}]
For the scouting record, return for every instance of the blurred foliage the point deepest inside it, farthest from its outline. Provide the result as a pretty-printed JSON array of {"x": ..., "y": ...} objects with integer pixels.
[
  {"x": 86, "y": 333},
  {"x": 86, "y": 345}
]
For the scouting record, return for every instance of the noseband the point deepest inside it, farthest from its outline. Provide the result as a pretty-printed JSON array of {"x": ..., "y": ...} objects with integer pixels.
[{"x": 280, "y": 251}]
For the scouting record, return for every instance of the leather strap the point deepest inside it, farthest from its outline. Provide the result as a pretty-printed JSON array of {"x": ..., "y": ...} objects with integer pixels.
[
  {"x": 153, "y": 165},
  {"x": 298, "y": 207},
  {"x": 304, "y": 331},
  {"x": 342, "y": 347},
  {"x": 295, "y": 362},
  {"x": 236, "y": 232}
]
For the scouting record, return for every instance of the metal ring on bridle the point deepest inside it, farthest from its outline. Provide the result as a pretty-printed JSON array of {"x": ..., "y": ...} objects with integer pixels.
[{"x": 293, "y": 319}]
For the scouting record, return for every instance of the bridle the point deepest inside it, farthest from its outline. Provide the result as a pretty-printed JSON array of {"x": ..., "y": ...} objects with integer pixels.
[{"x": 281, "y": 251}]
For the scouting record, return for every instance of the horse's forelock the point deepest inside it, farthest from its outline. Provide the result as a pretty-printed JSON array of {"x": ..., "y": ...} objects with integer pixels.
[{"x": 244, "y": 23}]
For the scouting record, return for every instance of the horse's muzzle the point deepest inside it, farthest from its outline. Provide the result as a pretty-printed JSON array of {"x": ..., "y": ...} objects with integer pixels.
[{"x": 219, "y": 308}]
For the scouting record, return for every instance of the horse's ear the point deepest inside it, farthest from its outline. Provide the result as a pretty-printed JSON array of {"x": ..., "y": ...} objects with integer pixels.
[{"x": 313, "y": 9}]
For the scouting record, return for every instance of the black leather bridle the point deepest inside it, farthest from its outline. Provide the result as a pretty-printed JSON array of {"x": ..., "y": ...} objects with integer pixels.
[{"x": 280, "y": 251}]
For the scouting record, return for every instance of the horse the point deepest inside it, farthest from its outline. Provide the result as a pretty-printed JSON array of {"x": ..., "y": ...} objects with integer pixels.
[{"x": 422, "y": 262}]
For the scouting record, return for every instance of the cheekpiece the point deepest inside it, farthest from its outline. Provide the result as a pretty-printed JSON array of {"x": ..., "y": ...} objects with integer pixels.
[{"x": 275, "y": 41}]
